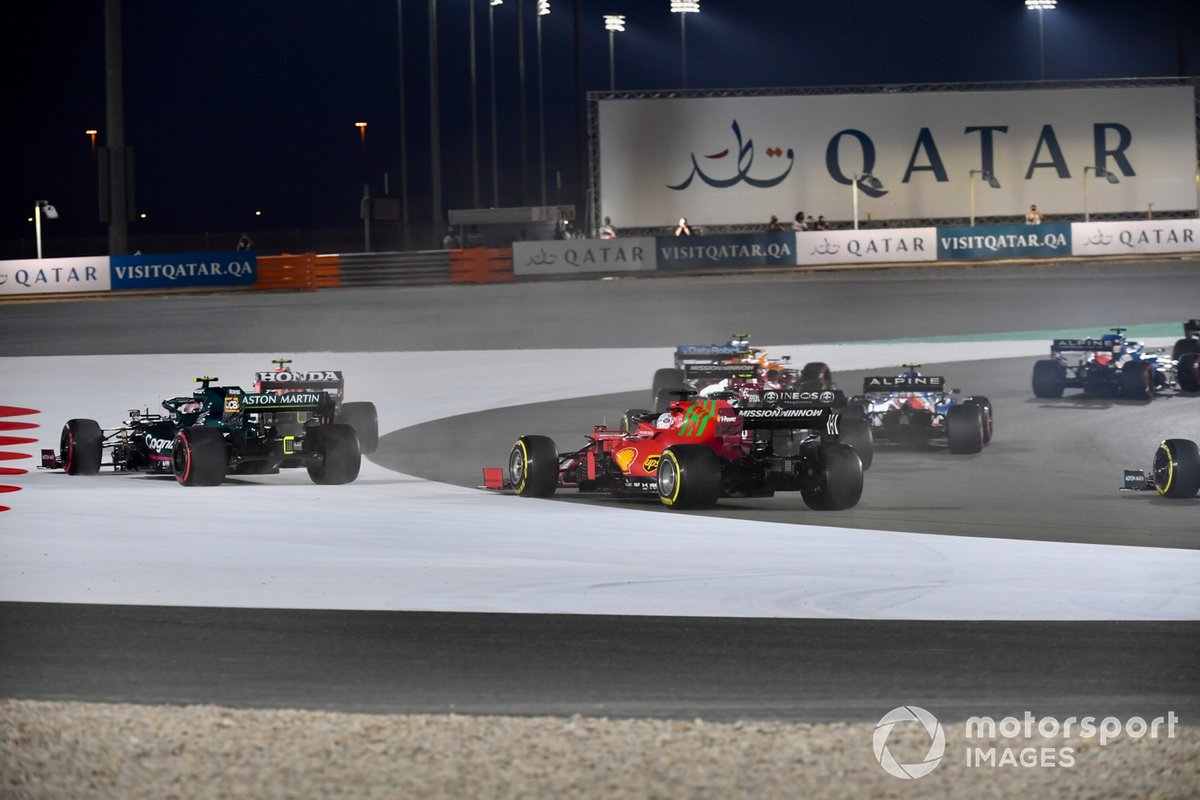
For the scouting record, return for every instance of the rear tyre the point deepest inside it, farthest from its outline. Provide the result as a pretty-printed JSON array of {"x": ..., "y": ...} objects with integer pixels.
[
  {"x": 840, "y": 479},
  {"x": 198, "y": 456},
  {"x": 1188, "y": 372},
  {"x": 1049, "y": 378},
  {"x": 1137, "y": 380},
  {"x": 985, "y": 406},
  {"x": 363, "y": 417},
  {"x": 666, "y": 381},
  {"x": 1177, "y": 468},
  {"x": 339, "y": 454},
  {"x": 80, "y": 446},
  {"x": 1183, "y": 347},
  {"x": 689, "y": 476},
  {"x": 964, "y": 429},
  {"x": 856, "y": 432},
  {"x": 816, "y": 376},
  {"x": 533, "y": 466}
]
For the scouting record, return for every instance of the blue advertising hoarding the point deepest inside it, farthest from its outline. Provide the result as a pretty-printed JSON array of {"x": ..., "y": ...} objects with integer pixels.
[
  {"x": 181, "y": 270},
  {"x": 732, "y": 250},
  {"x": 991, "y": 242}
]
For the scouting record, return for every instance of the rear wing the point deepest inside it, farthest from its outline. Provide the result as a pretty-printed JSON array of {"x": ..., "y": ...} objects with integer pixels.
[
  {"x": 886, "y": 384},
  {"x": 688, "y": 354},
  {"x": 297, "y": 381},
  {"x": 256, "y": 402},
  {"x": 793, "y": 410},
  {"x": 717, "y": 371},
  {"x": 1083, "y": 346}
]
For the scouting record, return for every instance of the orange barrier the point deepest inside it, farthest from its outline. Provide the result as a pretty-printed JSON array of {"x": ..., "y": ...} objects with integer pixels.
[
  {"x": 297, "y": 271},
  {"x": 481, "y": 265}
]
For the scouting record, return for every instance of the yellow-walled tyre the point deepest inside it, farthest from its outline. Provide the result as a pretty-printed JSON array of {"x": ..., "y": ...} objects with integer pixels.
[
  {"x": 533, "y": 466},
  {"x": 689, "y": 476},
  {"x": 1176, "y": 470}
]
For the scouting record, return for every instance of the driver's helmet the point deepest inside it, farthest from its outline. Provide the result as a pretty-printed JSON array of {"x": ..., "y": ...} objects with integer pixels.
[
  {"x": 192, "y": 407},
  {"x": 664, "y": 421}
]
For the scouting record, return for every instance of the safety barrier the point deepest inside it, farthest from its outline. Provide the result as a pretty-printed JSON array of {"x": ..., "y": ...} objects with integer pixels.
[
  {"x": 394, "y": 269},
  {"x": 481, "y": 265}
]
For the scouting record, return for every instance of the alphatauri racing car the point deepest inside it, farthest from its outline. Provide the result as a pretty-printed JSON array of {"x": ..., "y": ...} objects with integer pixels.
[
  {"x": 699, "y": 450},
  {"x": 1117, "y": 367},
  {"x": 728, "y": 366},
  {"x": 913, "y": 409},
  {"x": 1174, "y": 471},
  {"x": 360, "y": 415},
  {"x": 217, "y": 431}
]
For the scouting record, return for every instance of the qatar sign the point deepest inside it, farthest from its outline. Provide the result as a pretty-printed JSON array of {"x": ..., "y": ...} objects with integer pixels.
[{"x": 740, "y": 160}]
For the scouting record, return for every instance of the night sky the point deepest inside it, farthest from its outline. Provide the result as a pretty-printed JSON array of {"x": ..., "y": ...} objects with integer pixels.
[{"x": 234, "y": 106}]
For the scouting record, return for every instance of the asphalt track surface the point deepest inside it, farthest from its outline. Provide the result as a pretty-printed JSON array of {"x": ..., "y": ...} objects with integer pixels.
[{"x": 721, "y": 669}]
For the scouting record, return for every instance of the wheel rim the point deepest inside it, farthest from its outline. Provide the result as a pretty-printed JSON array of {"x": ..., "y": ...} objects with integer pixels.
[
  {"x": 667, "y": 477},
  {"x": 1164, "y": 469},
  {"x": 67, "y": 449},
  {"x": 516, "y": 467}
]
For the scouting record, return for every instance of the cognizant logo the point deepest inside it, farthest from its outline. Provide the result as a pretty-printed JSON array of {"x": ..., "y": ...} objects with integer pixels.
[{"x": 937, "y": 742}]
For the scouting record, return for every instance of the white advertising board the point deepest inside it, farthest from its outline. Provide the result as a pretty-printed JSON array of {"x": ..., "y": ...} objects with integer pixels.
[
  {"x": 739, "y": 160},
  {"x": 55, "y": 275},
  {"x": 1131, "y": 236},
  {"x": 866, "y": 246},
  {"x": 583, "y": 255}
]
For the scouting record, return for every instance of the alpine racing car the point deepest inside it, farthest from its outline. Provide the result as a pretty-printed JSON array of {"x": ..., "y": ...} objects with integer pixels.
[
  {"x": 217, "y": 431},
  {"x": 359, "y": 415},
  {"x": 913, "y": 409},
  {"x": 1174, "y": 471},
  {"x": 1114, "y": 366},
  {"x": 699, "y": 367},
  {"x": 698, "y": 451}
]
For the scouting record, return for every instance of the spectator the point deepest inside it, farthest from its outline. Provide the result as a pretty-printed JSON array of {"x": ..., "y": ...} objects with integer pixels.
[
  {"x": 774, "y": 226},
  {"x": 798, "y": 224},
  {"x": 683, "y": 229},
  {"x": 474, "y": 237},
  {"x": 607, "y": 231},
  {"x": 450, "y": 241},
  {"x": 1033, "y": 216},
  {"x": 245, "y": 243},
  {"x": 821, "y": 225}
]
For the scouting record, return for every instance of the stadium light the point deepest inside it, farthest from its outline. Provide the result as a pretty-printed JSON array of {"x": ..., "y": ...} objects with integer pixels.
[
  {"x": 1041, "y": 6},
  {"x": 543, "y": 8},
  {"x": 40, "y": 208},
  {"x": 492, "y": 77},
  {"x": 987, "y": 177},
  {"x": 865, "y": 179},
  {"x": 613, "y": 23},
  {"x": 1101, "y": 172},
  {"x": 683, "y": 8}
]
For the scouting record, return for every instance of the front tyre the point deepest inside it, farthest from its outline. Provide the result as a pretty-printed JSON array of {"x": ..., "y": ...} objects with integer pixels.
[
  {"x": 1177, "y": 468},
  {"x": 689, "y": 476},
  {"x": 198, "y": 456},
  {"x": 338, "y": 453},
  {"x": 964, "y": 429},
  {"x": 533, "y": 466},
  {"x": 80, "y": 446},
  {"x": 1188, "y": 372},
  {"x": 1137, "y": 380},
  {"x": 363, "y": 417},
  {"x": 839, "y": 479}
]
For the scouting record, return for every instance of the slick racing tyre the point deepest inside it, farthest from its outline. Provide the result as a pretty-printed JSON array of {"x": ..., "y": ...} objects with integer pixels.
[
  {"x": 365, "y": 420},
  {"x": 1177, "y": 468},
  {"x": 1049, "y": 378},
  {"x": 533, "y": 466},
  {"x": 1137, "y": 380},
  {"x": 964, "y": 429},
  {"x": 1183, "y": 347},
  {"x": 338, "y": 452},
  {"x": 80, "y": 446},
  {"x": 634, "y": 416},
  {"x": 689, "y": 476},
  {"x": 839, "y": 481},
  {"x": 856, "y": 432},
  {"x": 666, "y": 381},
  {"x": 816, "y": 376},
  {"x": 198, "y": 456},
  {"x": 985, "y": 406},
  {"x": 1188, "y": 372}
]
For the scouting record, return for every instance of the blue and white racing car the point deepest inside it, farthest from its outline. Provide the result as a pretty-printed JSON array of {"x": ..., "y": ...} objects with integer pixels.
[
  {"x": 911, "y": 408},
  {"x": 1115, "y": 366}
]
